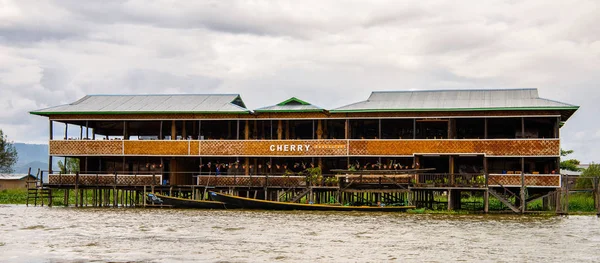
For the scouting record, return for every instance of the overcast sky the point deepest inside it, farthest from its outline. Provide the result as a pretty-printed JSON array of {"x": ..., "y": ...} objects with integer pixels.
[{"x": 330, "y": 54}]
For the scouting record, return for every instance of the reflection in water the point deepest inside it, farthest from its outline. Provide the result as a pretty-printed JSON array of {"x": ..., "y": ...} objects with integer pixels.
[{"x": 159, "y": 235}]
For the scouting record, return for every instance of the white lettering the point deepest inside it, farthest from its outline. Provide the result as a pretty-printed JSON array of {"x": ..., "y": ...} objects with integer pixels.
[
  {"x": 279, "y": 148},
  {"x": 272, "y": 147},
  {"x": 300, "y": 147},
  {"x": 286, "y": 148},
  {"x": 292, "y": 148},
  {"x": 307, "y": 146}
]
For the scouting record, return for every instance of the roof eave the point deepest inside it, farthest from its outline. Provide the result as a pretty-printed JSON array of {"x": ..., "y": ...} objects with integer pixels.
[
  {"x": 288, "y": 111},
  {"x": 456, "y": 109},
  {"x": 135, "y": 112}
]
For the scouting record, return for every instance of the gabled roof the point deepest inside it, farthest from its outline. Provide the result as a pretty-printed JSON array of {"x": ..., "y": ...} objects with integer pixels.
[
  {"x": 14, "y": 176},
  {"x": 456, "y": 100},
  {"x": 292, "y": 104},
  {"x": 142, "y": 104}
]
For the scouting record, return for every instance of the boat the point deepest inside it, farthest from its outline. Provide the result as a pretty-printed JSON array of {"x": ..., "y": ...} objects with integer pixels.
[
  {"x": 251, "y": 203},
  {"x": 175, "y": 202}
]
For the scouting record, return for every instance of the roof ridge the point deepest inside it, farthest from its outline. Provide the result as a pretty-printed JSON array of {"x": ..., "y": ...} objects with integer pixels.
[{"x": 445, "y": 90}]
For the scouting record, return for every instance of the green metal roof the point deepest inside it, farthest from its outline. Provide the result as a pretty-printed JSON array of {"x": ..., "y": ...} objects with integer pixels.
[
  {"x": 151, "y": 104},
  {"x": 292, "y": 104}
]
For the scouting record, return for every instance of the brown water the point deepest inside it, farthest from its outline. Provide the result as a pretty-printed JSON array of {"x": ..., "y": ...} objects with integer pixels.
[{"x": 38, "y": 234}]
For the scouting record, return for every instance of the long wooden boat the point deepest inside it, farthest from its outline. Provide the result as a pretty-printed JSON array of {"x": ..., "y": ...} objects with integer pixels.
[
  {"x": 251, "y": 203},
  {"x": 176, "y": 202}
]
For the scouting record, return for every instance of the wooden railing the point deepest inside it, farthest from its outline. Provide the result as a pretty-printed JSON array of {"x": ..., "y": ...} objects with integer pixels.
[
  {"x": 104, "y": 179},
  {"x": 328, "y": 147},
  {"x": 251, "y": 181},
  {"x": 530, "y": 180}
]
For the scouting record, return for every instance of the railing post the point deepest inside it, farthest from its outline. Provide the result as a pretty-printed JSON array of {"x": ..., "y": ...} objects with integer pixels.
[
  {"x": 153, "y": 183},
  {"x": 76, "y": 189}
]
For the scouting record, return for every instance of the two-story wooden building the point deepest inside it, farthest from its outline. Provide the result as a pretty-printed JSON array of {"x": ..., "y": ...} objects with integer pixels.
[{"x": 487, "y": 139}]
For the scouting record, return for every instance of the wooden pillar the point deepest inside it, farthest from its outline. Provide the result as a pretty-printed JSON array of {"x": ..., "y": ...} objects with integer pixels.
[
  {"x": 414, "y": 128},
  {"x": 451, "y": 166},
  {"x": 557, "y": 128},
  {"x": 451, "y": 128},
  {"x": 173, "y": 172},
  {"x": 160, "y": 131},
  {"x": 87, "y": 130},
  {"x": 523, "y": 204},
  {"x": 450, "y": 200},
  {"x": 183, "y": 131},
  {"x": 522, "y": 127},
  {"x": 247, "y": 162},
  {"x": 287, "y": 129},
  {"x": 246, "y": 131},
  {"x": 319, "y": 129},
  {"x": 485, "y": 128},
  {"x": 125, "y": 131},
  {"x": 173, "y": 130},
  {"x": 66, "y": 131},
  {"x": 486, "y": 201},
  {"x": 347, "y": 129},
  {"x": 379, "y": 129},
  {"x": 279, "y": 130}
]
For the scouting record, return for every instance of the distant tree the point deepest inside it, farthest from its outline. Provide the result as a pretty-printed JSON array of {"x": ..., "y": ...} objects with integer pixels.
[
  {"x": 588, "y": 175},
  {"x": 570, "y": 164},
  {"x": 8, "y": 154},
  {"x": 71, "y": 167}
]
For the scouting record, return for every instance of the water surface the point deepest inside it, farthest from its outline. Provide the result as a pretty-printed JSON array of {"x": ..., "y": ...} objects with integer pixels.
[{"x": 36, "y": 234}]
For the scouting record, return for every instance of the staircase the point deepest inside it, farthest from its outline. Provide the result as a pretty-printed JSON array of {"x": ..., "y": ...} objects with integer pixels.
[
  {"x": 299, "y": 196},
  {"x": 36, "y": 191},
  {"x": 504, "y": 198}
]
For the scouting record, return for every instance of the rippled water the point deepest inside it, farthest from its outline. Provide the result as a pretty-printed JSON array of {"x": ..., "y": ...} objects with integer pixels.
[{"x": 56, "y": 234}]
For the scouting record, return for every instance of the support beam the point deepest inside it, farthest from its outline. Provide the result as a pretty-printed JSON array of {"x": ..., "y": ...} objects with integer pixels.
[
  {"x": 173, "y": 130},
  {"x": 523, "y": 203},
  {"x": 279, "y": 129},
  {"x": 319, "y": 129},
  {"x": 485, "y": 128},
  {"x": 346, "y": 130},
  {"x": 246, "y": 133},
  {"x": 183, "y": 131},
  {"x": 486, "y": 201}
]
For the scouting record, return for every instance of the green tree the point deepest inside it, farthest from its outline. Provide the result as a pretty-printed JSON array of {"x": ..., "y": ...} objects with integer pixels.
[
  {"x": 587, "y": 176},
  {"x": 71, "y": 167},
  {"x": 570, "y": 164},
  {"x": 8, "y": 154}
]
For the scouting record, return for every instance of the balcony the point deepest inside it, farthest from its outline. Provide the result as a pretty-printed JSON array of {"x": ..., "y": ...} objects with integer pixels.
[{"x": 494, "y": 147}]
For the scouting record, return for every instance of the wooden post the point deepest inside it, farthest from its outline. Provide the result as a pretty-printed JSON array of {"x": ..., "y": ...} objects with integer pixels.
[
  {"x": 287, "y": 129},
  {"x": 279, "y": 130},
  {"x": 246, "y": 131},
  {"x": 523, "y": 204},
  {"x": 76, "y": 189},
  {"x": 319, "y": 129},
  {"x": 346, "y": 130},
  {"x": 486, "y": 201},
  {"x": 183, "y": 131},
  {"x": 485, "y": 128},
  {"x": 451, "y": 164},
  {"x": 173, "y": 130}
]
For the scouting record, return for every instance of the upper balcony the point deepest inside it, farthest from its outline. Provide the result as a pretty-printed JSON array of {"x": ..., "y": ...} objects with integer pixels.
[{"x": 330, "y": 147}]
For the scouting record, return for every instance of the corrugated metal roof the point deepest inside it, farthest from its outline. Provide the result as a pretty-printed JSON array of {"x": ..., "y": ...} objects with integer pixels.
[
  {"x": 449, "y": 100},
  {"x": 13, "y": 176},
  {"x": 119, "y": 104},
  {"x": 292, "y": 104}
]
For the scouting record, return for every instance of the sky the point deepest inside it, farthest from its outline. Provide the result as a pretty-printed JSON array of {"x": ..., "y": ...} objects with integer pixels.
[{"x": 329, "y": 53}]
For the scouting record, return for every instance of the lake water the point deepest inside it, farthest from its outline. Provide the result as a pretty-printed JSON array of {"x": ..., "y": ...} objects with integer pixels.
[{"x": 36, "y": 234}]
